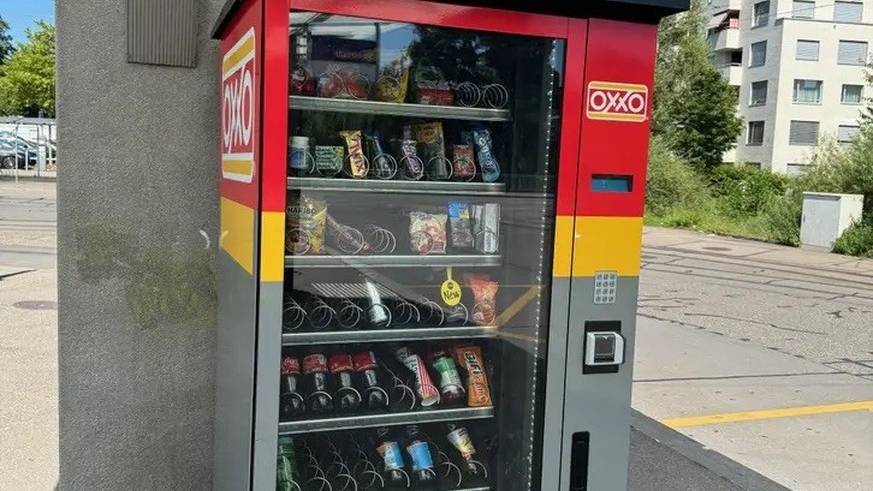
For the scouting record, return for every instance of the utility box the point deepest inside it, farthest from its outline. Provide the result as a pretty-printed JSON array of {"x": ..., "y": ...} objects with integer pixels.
[{"x": 827, "y": 215}]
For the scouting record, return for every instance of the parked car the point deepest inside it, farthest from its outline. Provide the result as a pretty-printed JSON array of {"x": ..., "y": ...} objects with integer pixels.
[{"x": 16, "y": 151}]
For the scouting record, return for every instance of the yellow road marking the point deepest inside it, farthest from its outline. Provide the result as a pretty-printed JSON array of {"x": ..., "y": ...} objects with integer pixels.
[{"x": 787, "y": 412}]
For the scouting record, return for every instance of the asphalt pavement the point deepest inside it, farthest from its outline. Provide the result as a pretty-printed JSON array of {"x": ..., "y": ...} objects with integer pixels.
[
  {"x": 762, "y": 353},
  {"x": 28, "y": 337}
]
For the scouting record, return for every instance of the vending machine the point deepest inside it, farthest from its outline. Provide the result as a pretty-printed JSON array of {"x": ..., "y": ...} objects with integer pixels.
[{"x": 431, "y": 218}]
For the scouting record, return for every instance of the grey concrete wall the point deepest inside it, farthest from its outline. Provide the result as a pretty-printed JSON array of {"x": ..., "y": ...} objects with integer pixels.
[{"x": 137, "y": 224}]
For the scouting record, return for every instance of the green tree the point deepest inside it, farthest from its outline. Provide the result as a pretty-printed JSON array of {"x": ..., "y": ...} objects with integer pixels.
[
  {"x": 695, "y": 107},
  {"x": 867, "y": 112},
  {"x": 6, "y": 47},
  {"x": 27, "y": 85}
]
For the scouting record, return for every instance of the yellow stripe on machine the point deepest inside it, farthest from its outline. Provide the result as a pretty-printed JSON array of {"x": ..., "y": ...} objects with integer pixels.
[
  {"x": 240, "y": 53},
  {"x": 238, "y": 233},
  {"x": 272, "y": 246},
  {"x": 607, "y": 244},
  {"x": 562, "y": 260}
]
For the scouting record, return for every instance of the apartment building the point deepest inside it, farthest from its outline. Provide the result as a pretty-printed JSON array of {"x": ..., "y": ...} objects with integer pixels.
[{"x": 799, "y": 69}]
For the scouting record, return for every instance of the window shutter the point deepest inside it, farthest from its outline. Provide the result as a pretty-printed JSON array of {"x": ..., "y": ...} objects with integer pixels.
[
  {"x": 852, "y": 53},
  {"x": 847, "y": 133},
  {"x": 803, "y": 133},
  {"x": 848, "y": 11},
  {"x": 803, "y": 9},
  {"x": 807, "y": 50}
]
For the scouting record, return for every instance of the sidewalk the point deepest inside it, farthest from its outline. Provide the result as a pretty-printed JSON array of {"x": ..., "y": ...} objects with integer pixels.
[{"x": 694, "y": 242}]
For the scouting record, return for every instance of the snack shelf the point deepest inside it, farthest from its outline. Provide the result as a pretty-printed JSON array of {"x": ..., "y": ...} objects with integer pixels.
[
  {"x": 388, "y": 419},
  {"x": 360, "y": 106},
  {"x": 394, "y": 261},
  {"x": 387, "y": 335},
  {"x": 385, "y": 186}
]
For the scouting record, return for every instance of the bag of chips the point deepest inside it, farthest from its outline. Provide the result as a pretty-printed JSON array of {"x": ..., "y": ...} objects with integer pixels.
[
  {"x": 392, "y": 85},
  {"x": 463, "y": 163},
  {"x": 427, "y": 232},
  {"x": 306, "y": 222},
  {"x": 484, "y": 296},
  {"x": 431, "y": 87},
  {"x": 459, "y": 220},
  {"x": 485, "y": 155}
]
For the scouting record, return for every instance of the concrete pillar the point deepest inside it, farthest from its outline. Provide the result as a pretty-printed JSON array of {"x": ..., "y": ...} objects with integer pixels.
[{"x": 137, "y": 224}]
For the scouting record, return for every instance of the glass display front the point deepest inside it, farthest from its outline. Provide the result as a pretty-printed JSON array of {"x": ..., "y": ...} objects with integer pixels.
[{"x": 420, "y": 213}]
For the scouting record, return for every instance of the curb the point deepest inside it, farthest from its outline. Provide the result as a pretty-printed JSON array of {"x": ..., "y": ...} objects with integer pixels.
[{"x": 735, "y": 473}]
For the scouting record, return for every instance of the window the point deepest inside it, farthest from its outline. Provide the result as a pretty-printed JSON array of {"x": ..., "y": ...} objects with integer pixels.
[
  {"x": 795, "y": 170},
  {"x": 803, "y": 133},
  {"x": 852, "y": 94},
  {"x": 755, "y": 134},
  {"x": 852, "y": 53},
  {"x": 803, "y": 9},
  {"x": 807, "y": 91},
  {"x": 847, "y": 133},
  {"x": 758, "y": 96},
  {"x": 848, "y": 11},
  {"x": 762, "y": 14},
  {"x": 759, "y": 54},
  {"x": 736, "y": 57},
  {"x": 806, "y": 50}
]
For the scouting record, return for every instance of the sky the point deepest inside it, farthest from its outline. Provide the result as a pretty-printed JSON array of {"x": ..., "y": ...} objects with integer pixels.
[{"x": 21, "y": 14}]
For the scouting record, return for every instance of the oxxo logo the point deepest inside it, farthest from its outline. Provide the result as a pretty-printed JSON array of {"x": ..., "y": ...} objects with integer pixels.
[
  {"x": 238, "y": 110},
  {"x": 615, "y": 101}
]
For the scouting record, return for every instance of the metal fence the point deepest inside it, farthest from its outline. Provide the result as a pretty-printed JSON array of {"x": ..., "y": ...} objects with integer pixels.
[{"x": 28, "y": 147}]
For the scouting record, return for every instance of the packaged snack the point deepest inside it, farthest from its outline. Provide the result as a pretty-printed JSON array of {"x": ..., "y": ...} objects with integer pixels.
[
  {"x": 299, "y": 158},
  {"x": 432, "y": 149},
  {"x": 463, "y": 163},
  {"x": 411, "y": 166},
  {"x": 302, "y": 82},
  {"x": 392, "y": 85},
  {"x": 382, "y": 165},
  {"x": 357, "y": 161},
  {"x": 486, "y": 223},
  {"x": 306, "y": 224},
  {"x": 485, "y": 155},
  {"x": 484, "y": 298},
  {"x": 432, "y": 88},
  {"x": 459, "y": 220},
  {"x": 328, "y": 159},
  {"x": 427, "y": 232},
  {"x": 342, "y": 83},
  {"x": 425, "y": 388},
  {"x": 470, "y": 358}
]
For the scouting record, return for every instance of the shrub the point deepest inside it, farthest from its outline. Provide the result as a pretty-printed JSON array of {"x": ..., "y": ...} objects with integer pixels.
[
  {"x": 744, "y": 191},
  {"x": 781, "y": 216},
  {"x": 857, "y": 240},
  {"x": 671, "y": 182}
]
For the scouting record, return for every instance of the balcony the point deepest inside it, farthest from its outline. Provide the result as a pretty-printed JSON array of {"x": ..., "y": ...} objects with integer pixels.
[
  {"x": 725, "y": 39},
  {"x": 733, "y": 73}
]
